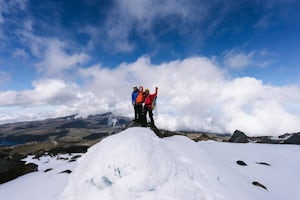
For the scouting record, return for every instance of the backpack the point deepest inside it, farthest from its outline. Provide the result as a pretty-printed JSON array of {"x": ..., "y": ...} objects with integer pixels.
[{"x": 153, "y": 106}]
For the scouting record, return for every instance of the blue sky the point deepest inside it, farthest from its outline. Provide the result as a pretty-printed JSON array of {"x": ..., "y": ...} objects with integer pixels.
[
  {"x": 62, "y": 42},
  {"x": 111, "y": 33}
]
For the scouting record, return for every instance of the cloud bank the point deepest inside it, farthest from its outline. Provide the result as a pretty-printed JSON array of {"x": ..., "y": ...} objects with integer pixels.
[{"x": 194, "y": 94}]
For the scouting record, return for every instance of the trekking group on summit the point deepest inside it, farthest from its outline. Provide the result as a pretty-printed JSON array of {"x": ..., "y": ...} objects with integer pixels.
[{"x": 143, "y": 103}]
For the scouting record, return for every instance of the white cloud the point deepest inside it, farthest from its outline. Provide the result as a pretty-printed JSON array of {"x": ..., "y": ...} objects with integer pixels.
[
  {"x": 45, "y": 92},
  {"x": 56, "y": 60},
  {"x": 194, "y": 94},
  {"x": 55, "y": 56}
]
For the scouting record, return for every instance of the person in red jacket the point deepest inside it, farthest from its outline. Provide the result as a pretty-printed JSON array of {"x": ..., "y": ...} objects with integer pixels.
[{"x": 149, "y": 98}]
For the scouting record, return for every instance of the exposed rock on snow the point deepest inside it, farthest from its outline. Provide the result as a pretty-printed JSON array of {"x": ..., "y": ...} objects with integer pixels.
[
  {"x": 263, "y": 163},
  {"x": 238, "y": 137},
  {"x": 259, "y": 185},
  {"x": 12, "y": 167},
  {"x": 293, "y": 139},
  {"x": 240, "y": 162},
  {"x": 288, "y": 138}
]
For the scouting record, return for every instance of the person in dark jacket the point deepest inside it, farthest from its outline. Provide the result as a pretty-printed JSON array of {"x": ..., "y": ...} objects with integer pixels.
[
  {"x": 148, "y": 107},
  {"x": 134, "y": 94}
]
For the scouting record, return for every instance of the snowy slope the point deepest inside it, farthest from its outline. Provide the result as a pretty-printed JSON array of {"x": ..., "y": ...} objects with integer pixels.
[
  {"x": 40, "y": 185},
  {"x": 136, "y": 164}
]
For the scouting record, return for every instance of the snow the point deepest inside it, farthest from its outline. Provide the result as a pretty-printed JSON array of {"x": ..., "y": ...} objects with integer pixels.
[
  {"x": 40, "y": 185},
  {"x": 136, "y": 164}
]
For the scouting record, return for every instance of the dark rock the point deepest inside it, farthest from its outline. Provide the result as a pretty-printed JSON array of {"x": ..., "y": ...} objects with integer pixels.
[
  {"x": 39, "y": 153},
  {"x": 68, "y": 149},
  {"x": 133, "y": 124},
  {"x": 30, "y": 167},
  {"x": 74, "y": 158},
  {"x": 263, "y": 163},
  {"x": 47, "y": 170},
  {"x": 4, "y": 155},
  {"x": 240, "y": 162},
  {"x": 267, "y": 140},
  {"x": 294, "y": 139},
  {"x": 66, "y": 171},
  {"x": 284, "y": 136},
  {"x": 259, "y": 185},
  {"x": 157, "y": 131},
  {"x": 17, "y": 156},
  {"x": 239, "y": 137},
  {"x": 12, "y": 167}
]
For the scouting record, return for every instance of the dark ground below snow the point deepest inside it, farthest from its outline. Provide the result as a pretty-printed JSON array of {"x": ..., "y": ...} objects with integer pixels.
[{"x": 35, "y": 136}]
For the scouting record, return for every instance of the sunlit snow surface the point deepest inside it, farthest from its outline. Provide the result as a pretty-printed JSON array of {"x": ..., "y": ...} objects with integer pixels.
[
  {"x": 40, "y": 185},
  {"x": 136, "y": 164}
]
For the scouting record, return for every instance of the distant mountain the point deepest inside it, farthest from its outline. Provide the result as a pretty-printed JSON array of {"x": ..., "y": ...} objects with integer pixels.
[{"x": 288, "y": 138}]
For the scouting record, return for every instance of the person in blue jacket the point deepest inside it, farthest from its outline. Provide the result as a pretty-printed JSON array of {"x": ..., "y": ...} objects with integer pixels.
[{"x": 134, "y": 94}]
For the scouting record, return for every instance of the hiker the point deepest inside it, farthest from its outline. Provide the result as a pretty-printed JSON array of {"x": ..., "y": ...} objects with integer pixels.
[
  {"x": 134, "y": 94},
  {"x": 139, "y": 104},
  {"x": 148, "y": 107}
]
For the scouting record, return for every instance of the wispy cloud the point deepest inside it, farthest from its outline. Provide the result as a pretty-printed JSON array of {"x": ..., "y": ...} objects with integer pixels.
[
  {"x": 237, "y": 59},
  {"x": 7, "y": 7},
  {"x": 150, "y": 21},
  {"x": 4, "y": 77},
  {"x": 20, "y": 53}
]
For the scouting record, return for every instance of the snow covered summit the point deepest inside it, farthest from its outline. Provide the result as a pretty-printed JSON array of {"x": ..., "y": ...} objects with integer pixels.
[{"x": 136, "y": 164}]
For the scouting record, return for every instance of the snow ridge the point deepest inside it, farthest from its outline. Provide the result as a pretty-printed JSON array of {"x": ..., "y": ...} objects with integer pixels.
[{"x": 136, "y": 164}]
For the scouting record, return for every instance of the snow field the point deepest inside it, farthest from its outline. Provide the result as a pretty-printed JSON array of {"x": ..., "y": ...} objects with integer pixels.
[{"x": 136, "y": 164}]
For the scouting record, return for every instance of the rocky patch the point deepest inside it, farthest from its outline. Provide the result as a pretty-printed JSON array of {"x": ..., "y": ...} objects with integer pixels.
[
  {"x": 259, "y": 185},
  {"x": 263, "y": 163},
  {"x": 66, "y": 172},
  {"x": 12, "y": 167},
  {"x": 240, "y": 137},
  {"x": 293, "y": 139},
  {"x": 240, "y": 162},
  {"x": 47, "y": 170}
]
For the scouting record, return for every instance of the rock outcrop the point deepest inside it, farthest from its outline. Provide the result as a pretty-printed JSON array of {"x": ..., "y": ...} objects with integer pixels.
[
  {"x": 12, "y": 167},
  {"x": 288, "y": 138},
  {"x": 239, "y": 137},
  {"x": 293, "y": 139}
]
